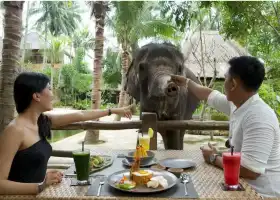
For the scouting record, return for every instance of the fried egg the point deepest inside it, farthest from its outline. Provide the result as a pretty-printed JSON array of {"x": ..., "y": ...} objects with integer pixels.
[{"x": 142, "y": 173}]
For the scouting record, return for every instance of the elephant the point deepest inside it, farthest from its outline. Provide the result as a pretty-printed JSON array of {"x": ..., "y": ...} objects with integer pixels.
[{"x": 151, "y": 69}]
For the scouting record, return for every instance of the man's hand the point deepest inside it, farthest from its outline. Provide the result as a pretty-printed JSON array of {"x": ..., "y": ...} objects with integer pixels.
[
  {"x": 179, "y": 80},
  {"x": 208, "y": 152}
]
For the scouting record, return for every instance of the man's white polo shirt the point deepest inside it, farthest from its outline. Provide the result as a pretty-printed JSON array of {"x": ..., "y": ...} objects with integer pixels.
[{"x": 254, "y": 131}]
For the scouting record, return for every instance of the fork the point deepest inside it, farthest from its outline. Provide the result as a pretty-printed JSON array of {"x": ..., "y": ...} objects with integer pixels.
[{"x": 101, "y": 183}]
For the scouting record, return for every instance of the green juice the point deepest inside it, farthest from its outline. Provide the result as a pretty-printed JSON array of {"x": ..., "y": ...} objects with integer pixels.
[{"x": 81, "y": 159}]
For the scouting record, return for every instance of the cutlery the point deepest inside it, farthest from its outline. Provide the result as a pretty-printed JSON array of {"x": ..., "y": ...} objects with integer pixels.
[
  {"x": 185, "y": 178},
  {"x": 101, "y": 183}
]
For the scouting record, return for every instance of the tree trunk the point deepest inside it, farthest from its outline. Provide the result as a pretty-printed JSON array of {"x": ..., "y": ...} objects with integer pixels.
[
  {"x": 92, "y": 136},
  {"x": 25, "y": 32},
  {"x": 11, "y": 58},
  {"x": 123, "y": 95}
]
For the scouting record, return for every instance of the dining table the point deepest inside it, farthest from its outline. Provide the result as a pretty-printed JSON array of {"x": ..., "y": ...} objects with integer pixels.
[{"x": 206, "y": 180}]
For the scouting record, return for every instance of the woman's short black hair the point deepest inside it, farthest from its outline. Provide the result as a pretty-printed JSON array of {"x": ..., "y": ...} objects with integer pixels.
[
  {"x": 25, "y": 85},
  {"x": 249, "y": 69}
]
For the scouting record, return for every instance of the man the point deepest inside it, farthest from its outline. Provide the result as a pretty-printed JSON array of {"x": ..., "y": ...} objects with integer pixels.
[{"x": 254, "y": 128}]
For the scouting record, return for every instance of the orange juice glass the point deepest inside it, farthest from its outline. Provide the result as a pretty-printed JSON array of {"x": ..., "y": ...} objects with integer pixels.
[{"x": 144, "y": 141}]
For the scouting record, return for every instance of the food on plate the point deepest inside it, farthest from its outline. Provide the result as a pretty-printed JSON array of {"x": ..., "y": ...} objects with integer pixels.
[
  {"x": 153, "y": 184},
  {"x": 140, "y": 152},
  {"x": 142, "y": 177},
  {"x": 157, "y": 181},
  {"x": 126, "y": 184},
  {"x": 96, "y": 161}
]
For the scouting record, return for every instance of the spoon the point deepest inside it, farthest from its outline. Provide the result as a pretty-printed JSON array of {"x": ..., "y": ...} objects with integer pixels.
[{"x": 185, "y": 178}]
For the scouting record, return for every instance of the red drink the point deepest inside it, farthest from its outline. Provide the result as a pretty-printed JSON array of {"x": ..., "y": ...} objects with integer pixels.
[{"x": 231, "y": 165}]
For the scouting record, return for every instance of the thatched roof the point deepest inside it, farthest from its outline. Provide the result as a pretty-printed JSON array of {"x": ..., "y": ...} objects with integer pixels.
[
  {"x": 33, "y": 41},
  {"x": 214, "y": 46}
]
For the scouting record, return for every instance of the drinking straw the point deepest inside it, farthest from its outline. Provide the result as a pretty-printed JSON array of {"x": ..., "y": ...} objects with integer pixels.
[
  {"x": 231, "y": 148},
  {"x": 83, "y": 144}
]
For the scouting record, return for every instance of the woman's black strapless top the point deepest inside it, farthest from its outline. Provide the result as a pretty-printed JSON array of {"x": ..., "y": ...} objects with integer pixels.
[{"x": 30, "y": 164}]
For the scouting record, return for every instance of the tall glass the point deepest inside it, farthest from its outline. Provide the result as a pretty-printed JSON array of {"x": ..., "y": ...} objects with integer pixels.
[
  {"x": 231, "y": 163},
  {"x": 144, "y": 140},
  {"x": 81, "y": 159}
]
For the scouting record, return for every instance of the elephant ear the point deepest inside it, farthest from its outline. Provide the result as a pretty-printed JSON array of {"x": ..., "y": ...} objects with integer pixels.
[
  {"x": 132, "y": 83},
  {"x": 192, "y": 101}
]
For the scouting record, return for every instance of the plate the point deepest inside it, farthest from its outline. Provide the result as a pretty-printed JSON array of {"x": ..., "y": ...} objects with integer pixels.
[
  {"x": 108, "y": 160},
  {"x": 128, "y": 164},
  {"x": 171, "y": 180},
  {"x": 177, "y": 163}
]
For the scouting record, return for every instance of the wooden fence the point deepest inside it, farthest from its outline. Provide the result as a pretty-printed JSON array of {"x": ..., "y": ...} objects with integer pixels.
[{"x": 149, "y": 120}]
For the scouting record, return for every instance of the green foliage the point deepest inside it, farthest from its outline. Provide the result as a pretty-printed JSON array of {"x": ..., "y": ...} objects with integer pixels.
[
  {"x": 109, "y": 96},
  {"x": 191, "y": 15},
  {"x": 59, "y": 17},
  {"x": 83, "y": 39},
  {"x": 178, "y": 12},
  {"x": 267, "y": 93},
  {"x": 79, "y": 63},
  {"x": 218, "y": 116},
  {"x": 133, "y": 20},
  {"x": 82, "y": 105},
  {"x": 111, "y": 67},
  {"x": 55, "y": 51}
]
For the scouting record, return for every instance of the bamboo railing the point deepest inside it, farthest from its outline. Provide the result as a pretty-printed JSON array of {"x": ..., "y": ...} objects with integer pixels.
[{"x": 149, "y": 120}]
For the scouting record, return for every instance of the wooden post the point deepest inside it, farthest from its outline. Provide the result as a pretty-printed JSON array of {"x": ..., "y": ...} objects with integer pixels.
[{"x": 149, "y": 120}]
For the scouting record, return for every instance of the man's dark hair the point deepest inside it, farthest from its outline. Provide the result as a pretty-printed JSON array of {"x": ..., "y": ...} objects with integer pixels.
[{"x": 249, "y": 69}]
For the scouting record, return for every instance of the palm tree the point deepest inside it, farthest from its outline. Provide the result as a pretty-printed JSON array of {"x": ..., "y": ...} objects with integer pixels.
[
  {"x": 55, "y": 55},
  {"x": 57, "y": 18},
  {"x": 133, "y": 20},
  {"x": 11, "y": 59},
  {"x": 98, "y": 11}
]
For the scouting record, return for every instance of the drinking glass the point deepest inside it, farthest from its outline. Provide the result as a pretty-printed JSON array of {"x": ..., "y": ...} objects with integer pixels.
[
  {"x": 81, "y": 159},
  {"x": 144, "y": 140},
  {"x": 231, "y": 163}
]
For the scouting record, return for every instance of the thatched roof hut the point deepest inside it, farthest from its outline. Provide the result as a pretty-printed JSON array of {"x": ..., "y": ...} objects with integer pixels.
[{"x": 214, "y": 47}]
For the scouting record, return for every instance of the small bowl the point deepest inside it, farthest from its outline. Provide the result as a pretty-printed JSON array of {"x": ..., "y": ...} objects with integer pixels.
[
  {"x": 176, "y": 171},
  {"x": 143, "y": 160},
  {"x": 158, "y": 166}
]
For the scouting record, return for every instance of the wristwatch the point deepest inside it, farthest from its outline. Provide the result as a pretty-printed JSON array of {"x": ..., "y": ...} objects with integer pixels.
[
  {"x": 41, "y": 186},
  {"x": 213, "y": 158},
  {"x": 109, "y": 112}
]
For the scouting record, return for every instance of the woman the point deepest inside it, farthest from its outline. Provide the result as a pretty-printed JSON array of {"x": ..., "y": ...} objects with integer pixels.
[{"x": 24, "y": 150}]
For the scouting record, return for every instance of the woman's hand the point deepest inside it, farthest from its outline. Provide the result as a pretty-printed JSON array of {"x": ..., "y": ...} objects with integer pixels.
[
  {"x": 53, "y": 177},
  {"x": 124, "y": 111}
]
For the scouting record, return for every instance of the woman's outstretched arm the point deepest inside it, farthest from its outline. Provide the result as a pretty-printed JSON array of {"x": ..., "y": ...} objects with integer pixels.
[{"x": 85, "y": 115}]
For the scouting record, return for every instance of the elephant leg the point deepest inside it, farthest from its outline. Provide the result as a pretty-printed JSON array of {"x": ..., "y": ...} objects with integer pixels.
[
  {"x": 172, "y": 140},
  {"x": 182, "y": 134}
]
